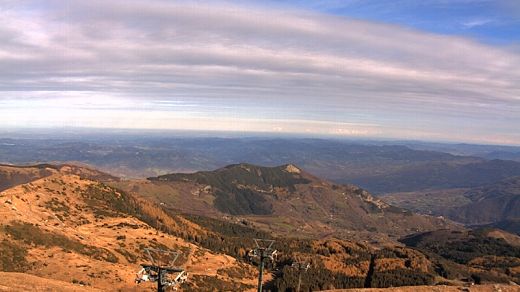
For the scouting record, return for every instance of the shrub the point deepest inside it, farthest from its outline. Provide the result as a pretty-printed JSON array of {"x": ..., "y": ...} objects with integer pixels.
[
  {"x": 31, "y": 234},
  {"x": 12, "y": 257}
]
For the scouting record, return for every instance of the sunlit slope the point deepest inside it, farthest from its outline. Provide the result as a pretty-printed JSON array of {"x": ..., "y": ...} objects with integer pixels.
[{"x": 76, "y": 230}]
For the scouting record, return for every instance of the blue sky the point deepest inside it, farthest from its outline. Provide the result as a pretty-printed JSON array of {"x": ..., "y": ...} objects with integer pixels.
[
  {"x": 490, "y": 21},
  {"x": 430, "y": 70}
]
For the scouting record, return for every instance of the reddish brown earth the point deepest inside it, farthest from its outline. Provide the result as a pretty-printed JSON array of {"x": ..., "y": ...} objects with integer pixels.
[
  {"x": 25, "y": 282},
  {"x": 68, "y": 238}
]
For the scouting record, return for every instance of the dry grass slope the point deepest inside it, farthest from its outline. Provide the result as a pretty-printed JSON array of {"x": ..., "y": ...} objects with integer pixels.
[{"x": 69, "y": 228}]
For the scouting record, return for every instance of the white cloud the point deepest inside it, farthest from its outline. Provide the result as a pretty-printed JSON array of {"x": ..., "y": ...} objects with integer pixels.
[
  {"x": 252, "y": 62},
  {"x": 476, "y": 23}
]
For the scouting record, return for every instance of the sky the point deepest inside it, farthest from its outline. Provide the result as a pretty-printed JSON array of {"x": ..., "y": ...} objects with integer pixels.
[{"x": 441, "y": 70}]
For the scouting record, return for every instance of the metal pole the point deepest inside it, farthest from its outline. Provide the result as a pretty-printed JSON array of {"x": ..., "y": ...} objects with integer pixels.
[
  {"x": 159, "y": 281},
  {"x": 260, "y": 275},
  {"x": 299, "y": 281}
]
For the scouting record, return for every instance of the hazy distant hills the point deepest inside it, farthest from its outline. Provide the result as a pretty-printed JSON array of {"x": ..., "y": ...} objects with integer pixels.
[
  {"x": 491, "y": 203},
  {"x": 483, "y": 151},
  {"x": 504, "y": 155},
  {"x": 440, "y": 175},
  {"x": 11, "y": 176},
  {"x": 154, "y": 156},
  {"x": 494, "y": 204},
  {"x": 378, "y": 167}
]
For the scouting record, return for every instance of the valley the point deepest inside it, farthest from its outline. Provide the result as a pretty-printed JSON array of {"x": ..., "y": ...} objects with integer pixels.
[{"x": 495, "y": 204}]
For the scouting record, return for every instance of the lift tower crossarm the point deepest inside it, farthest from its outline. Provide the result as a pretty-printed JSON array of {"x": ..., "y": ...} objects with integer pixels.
[{"x": 263, "y": 251}]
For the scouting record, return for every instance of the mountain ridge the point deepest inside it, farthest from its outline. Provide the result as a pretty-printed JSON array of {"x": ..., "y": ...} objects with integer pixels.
[
  {"x": 292, "y": 196},
  {"x": 71, "y": 228}
]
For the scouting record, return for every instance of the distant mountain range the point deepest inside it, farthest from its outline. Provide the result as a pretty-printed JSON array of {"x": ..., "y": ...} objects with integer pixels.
[
  {"x": 379, "y": 167},
  {"x": 464, "y": 149},
  {"x": 440, "y": 175}
]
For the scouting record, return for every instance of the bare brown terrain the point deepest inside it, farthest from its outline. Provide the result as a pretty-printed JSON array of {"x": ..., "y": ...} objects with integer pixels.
[
  {"x": 70, "y": 226},
  {"x": 58, "y": 227},
  {"x": 25, "y": 282}
]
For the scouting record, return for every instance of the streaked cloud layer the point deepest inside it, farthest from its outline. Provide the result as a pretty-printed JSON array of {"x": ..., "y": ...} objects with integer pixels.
[{"x": 246, "y": 67}]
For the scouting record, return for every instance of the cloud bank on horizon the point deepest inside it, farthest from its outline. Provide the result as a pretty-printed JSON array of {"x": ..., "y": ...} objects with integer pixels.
[{"x": 243, "y": 66}]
